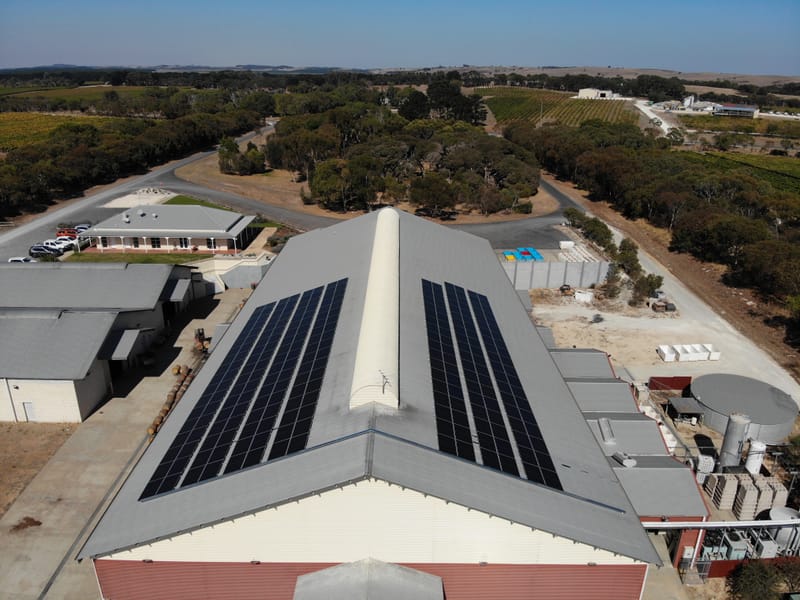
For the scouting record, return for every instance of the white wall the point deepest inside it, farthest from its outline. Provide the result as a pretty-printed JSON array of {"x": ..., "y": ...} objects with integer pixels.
[
  {"x": 6, "y": 409},
  {"x": 52, "y": 401},
  {"x": 372, "y": 519}
]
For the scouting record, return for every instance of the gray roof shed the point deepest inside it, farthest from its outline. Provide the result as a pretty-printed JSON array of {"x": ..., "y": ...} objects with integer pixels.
[
  {"x": 165, "y": 220},
  {"x": 398, "y": 444}
]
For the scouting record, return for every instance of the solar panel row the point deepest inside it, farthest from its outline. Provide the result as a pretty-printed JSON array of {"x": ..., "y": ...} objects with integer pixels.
[
  {"x": 452, "y": 422},
  {"x": 174, "y": 461},
  {"x": 532, "y": 449},
  {"x": 233, "y": 421},
  {"x": 292, "y": 434},
  {"x": 495, "y": 445},
  {"x": 475, "y": 346},
  {"x": 224, "y": 429}
]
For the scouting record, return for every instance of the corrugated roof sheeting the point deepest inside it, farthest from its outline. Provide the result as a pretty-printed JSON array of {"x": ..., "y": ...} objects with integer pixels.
[
  {"x": 133, "y": 580},
  {"x": 366, "y": 579},
  {"x": 172, "y": 220},
  {"x": 51, "y": 344},
  {"x": 83, "y": 286},
  {"x": 582, "y": 363}
]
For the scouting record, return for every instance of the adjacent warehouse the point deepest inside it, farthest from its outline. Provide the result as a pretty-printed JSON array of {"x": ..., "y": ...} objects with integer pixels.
[
  {"x": 376, "y": 409},
  {"x": 65, "y": 328}
]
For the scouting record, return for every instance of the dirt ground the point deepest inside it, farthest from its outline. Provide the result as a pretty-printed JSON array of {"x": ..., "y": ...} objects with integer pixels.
[
  {"x": 24, "y": 449},
  {"x": 740, "y": 307}
]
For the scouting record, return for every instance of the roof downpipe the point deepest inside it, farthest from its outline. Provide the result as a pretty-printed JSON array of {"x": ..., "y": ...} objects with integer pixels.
[{"x": 375, "y": 378}]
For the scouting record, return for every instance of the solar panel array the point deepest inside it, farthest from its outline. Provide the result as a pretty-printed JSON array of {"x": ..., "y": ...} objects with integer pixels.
[
  {"x": 497, "y": 410},
  {"x": 234, "y": 420}
]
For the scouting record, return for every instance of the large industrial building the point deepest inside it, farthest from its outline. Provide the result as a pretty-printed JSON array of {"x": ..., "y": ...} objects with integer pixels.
[{"x": 382, "y": 415}]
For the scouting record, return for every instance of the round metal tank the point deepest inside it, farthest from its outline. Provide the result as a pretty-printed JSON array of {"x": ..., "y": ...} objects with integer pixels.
[
  {"x": 735, "y": 435},
  {"x": 772, "y": 412}
]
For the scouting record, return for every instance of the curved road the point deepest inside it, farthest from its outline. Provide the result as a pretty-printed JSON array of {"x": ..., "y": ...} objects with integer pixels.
[{"x": 536, "y": 232}]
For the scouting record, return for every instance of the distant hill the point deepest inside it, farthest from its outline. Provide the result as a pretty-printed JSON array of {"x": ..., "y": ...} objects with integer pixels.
[{"x": 557, "y": 71}]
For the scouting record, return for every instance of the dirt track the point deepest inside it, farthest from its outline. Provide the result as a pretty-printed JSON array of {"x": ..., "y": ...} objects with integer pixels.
[{"x": 740, "y": 307}]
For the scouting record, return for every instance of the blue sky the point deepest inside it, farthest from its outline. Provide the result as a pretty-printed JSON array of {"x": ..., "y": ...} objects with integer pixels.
[{"x": 730, "y": 36}]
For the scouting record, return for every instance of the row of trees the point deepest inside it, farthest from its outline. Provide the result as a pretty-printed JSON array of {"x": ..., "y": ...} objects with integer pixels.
[
  {"x": 731, "y": 216},
  {"x": 76, "y": 156},
  {"x": 358, "y": 154},
  {"x": 625, "y": 258}
]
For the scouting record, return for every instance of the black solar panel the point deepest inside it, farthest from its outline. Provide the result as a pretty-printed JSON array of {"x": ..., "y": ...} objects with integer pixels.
[
  {"x": 495, "y": 445},
  {"x": 231, "y": 425},
  {"x": 253, "y": 439},
  {"x": 295, "y": 426},
  {"x": 532, "y": 449},
  {"x": 214, "y": 449},
  {"x": 497, "y": 436},
  {"x": 452, "y": 422},
  {"x": 169, "y": 471}
]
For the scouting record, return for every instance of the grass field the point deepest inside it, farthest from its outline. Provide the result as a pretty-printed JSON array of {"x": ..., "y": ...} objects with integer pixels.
[
  {"x": 188, "y": 200},
  {"x": 779, "y": 127},
  {"x": 135, "y": 257},
  {"x": 778, "y": 171},
  {"x": 18, "y": 129},
  {"x": 89, "y": 94},
  {"x": 523, "y": 104},
  {"x": 8, "y": 91}
]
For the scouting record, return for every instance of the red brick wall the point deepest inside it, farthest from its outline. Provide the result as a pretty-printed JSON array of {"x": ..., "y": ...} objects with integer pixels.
[{"x": 129, "y": 580}]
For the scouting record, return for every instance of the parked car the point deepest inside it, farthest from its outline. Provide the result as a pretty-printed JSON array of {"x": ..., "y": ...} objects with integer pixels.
[
  {"x": 70, "y": 232},
  {"x": 22, "y": 259},
  {"x": 40, "y": 251},
  {"x": 63, "y": 245},
  {"x": 81, "y": 227},
  {"x": 73, "y": 242}
]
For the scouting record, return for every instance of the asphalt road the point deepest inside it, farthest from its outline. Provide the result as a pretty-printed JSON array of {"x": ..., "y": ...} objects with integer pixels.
[{"x": 535, "y": 232}]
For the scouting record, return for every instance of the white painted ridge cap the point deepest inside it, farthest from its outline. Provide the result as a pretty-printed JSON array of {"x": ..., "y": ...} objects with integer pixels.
[{"x": 375, "y": 377}]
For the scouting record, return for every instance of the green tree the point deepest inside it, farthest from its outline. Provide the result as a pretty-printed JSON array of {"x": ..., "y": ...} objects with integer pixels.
[
  {"x": 628, "y": 258},
  {"x": 415, "y": 106},
  {"x": 754, "y": 580}
]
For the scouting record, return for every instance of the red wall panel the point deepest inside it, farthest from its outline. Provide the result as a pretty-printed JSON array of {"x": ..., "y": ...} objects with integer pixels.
[{"x": 129, "y": 580}]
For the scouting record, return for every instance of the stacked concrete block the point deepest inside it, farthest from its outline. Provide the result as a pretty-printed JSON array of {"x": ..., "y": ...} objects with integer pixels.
[
  {"x": 765, "y": 493},
  {"x": 725, "y": 491},
  {"x": 746, "y": 501},
  {"x": 780, "y": 493}
]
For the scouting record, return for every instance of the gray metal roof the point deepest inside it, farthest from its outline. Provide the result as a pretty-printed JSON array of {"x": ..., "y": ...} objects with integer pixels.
[
  {"x": 727, "y": 394},
  {"x": 369, "y": 579},
  {"x": 639, "y": 437},
  {"x": 660, "y": 485},
  {"x": 84, "y": 286},
  {"x": 51, "y": 344},
  {"x": 582, "y": 363},
  {"x": 396, "y": 445},
  {"x": 602, "y": 395},
  {"x": 165, "y": 220}
]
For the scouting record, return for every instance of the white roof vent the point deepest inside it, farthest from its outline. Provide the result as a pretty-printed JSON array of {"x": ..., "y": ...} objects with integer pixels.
[
  {"x": 142, "y": 213},
  {"x": 126, "y": 219},
  {"x": 155, "y": 216}
]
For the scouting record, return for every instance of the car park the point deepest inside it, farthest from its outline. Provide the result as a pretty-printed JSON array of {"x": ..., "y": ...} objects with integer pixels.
[{"x": 22, "y": 259}]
